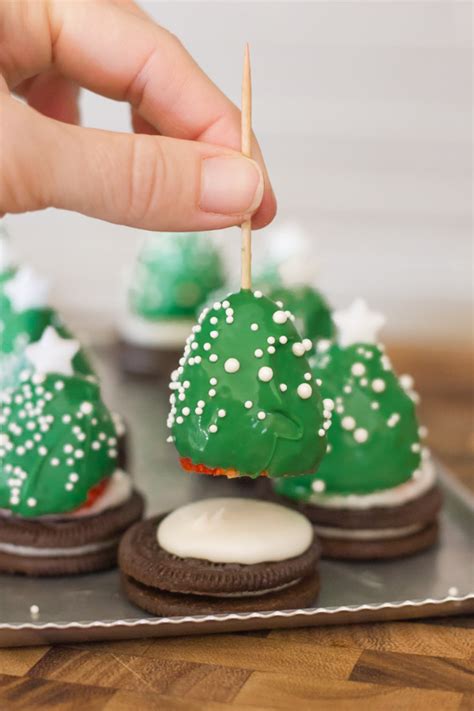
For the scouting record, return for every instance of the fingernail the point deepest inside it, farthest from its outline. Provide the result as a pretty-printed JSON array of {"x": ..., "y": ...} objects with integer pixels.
[{"x": 230, "y": 185}]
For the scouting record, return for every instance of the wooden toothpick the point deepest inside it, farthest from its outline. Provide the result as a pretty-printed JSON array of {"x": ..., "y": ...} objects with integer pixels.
[{"x": 246, "y": 147}]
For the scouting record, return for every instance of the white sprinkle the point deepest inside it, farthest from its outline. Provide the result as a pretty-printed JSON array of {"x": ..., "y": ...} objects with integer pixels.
[
  {"x": 271, "y": 350},
  {"x": 213, "y": 381},
  {"x": 179, "y": 420},
  {"x": 213, "y": 428},
  {"x": 318, "y": 486},
  {"x": 254, "y": 327},
  {"x": 283, "y": 387},
  {"x": 214, "y": 334},
  {"x": 265, "y": 374},
  {"x": 415, "y": 447},
  {"x": 280, "y": 317},
  {"x": 248, "y": 404},
  {"x": 298, "y": 349},
  {"x": 348, "y": 423},
  {"x": 258, "y": 294},
  {"x": 321, "y": 432},
  {"x": 304, "y": 390},
  {"x": 422, "y": 431},
  {"x": 221, "y": 413},
  {"x": 198, "y": 411},
  {"x": 258, "y": 353},
  {"x": 226, "y": 304},
  {"x": 358, "y": 369},
  {"x": 378, "y": 385},
  {"x": 328, "y": 403},
  {"x": 347, "y": 389},
  {"x": 213, "y": 357},
  {"x": 34, "y": 610},
  {"x": 361, "y": 435},
  {"x": 307, "y": 343},
  {"x": 68, "y": 448},
  {"x": 283, "y": 340},
  {"x": 66, "y": 418},
  {"x": 79, "y": 454},
  {"x": 271, "y": 340},
  {"x": 55, "y": 462},
  {"x": 261, "y": 415},
  {"x": 214, "y": 320},
  {"x": 185, "y": 411},
  {"x": 86, "y": 408},
  {"x": 73, "y": 477},
  {"x": 229, "y": 319},
  {"x": 279, "y": 303},
  {"x": 212, "y": 392},
  {"x": 31, "y": 502},
  {"x": 319, "y": 382},
  {"x": 453, "y": 591},
  {"x": 363, "y": 382},
  {"x": 308, "y": 376},
  {"x": 201, "y": 403},
  {"x": 406, "y": 381},
  {"x": 69, "y": 486},
  {"x": 374, "y": 405},
  {"x": 207, "y": 346},
  {"x": 232, "y": 365},
  {"x": 42, "y": 450}
]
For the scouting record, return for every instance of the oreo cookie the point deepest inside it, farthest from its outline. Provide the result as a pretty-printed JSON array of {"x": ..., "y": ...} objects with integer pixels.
[
  {"x": 164, "y": 583},
  {"x": 375, "y": 532},
  {"x": 147, "y": 361},
  {"x": 48, "y": 546}
]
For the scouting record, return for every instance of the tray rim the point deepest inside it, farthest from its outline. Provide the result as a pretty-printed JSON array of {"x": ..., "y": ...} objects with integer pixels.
[{"x": 238, "y": 616}]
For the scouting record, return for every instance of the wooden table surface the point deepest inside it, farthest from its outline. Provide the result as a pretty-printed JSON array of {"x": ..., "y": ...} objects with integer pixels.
[{"x": 399, "y": 665}]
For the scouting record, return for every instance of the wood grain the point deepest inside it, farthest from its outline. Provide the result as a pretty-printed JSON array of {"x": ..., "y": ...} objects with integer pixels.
[{"x": 379, "y": 667}]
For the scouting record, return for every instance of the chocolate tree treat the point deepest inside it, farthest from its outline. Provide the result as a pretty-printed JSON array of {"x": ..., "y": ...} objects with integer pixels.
[
  {"x": 173, "y": 276},
  {"x": 221, "y": 555},
  {"x": 244, "y": 401},
  {"x": 375, "y": 494},
  {"x": 64, "y": 502}
]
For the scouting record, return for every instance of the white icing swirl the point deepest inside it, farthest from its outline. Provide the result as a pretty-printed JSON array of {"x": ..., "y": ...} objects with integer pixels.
[
  {"x": 228, "y": 530},
  {"x": 164, "y": 333},
  {"x": 408, "y": 491}
]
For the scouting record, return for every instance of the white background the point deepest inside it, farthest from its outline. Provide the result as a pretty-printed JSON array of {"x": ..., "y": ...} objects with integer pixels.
[{"x": 364, "y": 111}]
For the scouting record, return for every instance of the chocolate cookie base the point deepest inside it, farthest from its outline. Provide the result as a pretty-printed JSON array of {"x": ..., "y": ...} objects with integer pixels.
[
  {"x": 105, "y": 529},
  {"x": 304, "y": 593},
  {"x": 382, "y": 549},
  {"x": 422, "y": 511},
  {"x": 142, "y": 558},
  {"x": 145, "y": 361}
]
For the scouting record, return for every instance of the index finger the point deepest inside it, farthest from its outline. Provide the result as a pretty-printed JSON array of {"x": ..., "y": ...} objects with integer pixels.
[{"x": 126, "y": 56}]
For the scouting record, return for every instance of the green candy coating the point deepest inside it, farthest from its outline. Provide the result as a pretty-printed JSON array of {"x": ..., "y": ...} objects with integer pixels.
[
  {"x": 174, "y": 274},
  {"x": 373, "y": 439},
  {"x": 57, "y": 441},
  {"x": 310, "y": 308},
  {"x": 228, "y": 409}
]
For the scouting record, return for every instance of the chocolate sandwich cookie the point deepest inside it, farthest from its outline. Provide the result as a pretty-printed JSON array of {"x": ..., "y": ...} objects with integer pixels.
[
  {"x": 375, "y": 532},
  {"x": 200, "y": 559},
  {"x": 147, "y": 361},
  {"x": 65, "y": 546}
]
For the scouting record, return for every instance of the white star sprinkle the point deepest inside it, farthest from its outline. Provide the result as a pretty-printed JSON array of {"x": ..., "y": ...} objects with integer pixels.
[
  {"x": 27, "y": 290},
  {"x": 357, "y": 324},
  {"x": 52, "y": 354}
]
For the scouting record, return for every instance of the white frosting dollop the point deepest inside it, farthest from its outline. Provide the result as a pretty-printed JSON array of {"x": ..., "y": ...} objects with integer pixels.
[
  {"x": 118, "y": 490},
  {"x": 234, "y": 530}
]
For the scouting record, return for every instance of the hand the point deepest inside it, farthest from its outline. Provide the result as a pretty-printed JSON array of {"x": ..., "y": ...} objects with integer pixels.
[{"x": 181, "y": 170}]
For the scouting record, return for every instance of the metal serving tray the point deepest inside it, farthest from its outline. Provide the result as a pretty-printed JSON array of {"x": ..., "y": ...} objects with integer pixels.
[{"x": 90, "y": 607}]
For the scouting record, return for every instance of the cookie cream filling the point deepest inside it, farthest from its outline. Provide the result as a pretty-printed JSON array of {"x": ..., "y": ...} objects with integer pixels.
[
  {"x": 234, "y": 530},
  {"x": 251, "y": 593},
  {"x": 166, "y": 333},
  {"x": 374, "y": 534},
  {"x": 421, "y": 481},
  {"x": 36, "y": 552}
]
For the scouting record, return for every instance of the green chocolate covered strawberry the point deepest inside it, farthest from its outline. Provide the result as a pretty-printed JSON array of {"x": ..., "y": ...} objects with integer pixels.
[
  {"x": 244, "y": 401},
  {"x": 57, "y": 439},
  {"x": 373, "y": 439},
  {"x": 174, "y": 274}
]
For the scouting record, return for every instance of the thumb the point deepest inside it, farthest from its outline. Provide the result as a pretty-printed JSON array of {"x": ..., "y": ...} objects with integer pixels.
[{"x": 152, "y": 182}]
